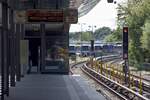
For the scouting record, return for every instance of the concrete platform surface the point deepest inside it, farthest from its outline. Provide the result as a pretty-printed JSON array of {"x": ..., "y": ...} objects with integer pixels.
[{"x": 53, "y": 87}]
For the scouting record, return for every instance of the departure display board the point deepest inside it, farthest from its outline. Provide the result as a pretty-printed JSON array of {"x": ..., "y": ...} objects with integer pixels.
[{"x": 45, "y": 15}]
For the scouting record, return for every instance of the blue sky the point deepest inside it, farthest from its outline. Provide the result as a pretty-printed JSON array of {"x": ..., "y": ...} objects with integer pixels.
[{"x": 103, "y": 14}]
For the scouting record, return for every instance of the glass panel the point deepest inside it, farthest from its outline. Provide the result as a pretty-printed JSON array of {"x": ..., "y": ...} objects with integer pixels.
[{"x": 56, "y": 54}]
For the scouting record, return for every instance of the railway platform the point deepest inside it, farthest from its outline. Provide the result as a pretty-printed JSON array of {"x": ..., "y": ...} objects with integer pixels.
[{"x": 53, "y": 87}]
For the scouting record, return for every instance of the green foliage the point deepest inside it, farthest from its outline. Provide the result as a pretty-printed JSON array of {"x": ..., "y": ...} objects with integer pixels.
[
  {"x": 86, "y": 36},
  {"x": 135, "y": 17},
  {"x": 110, "y": 38},
  {"x": 145, "y": 39},
  {"x": 115, "y": 36},
  {"x": 101, "y": 33},
  {"x": 74, "y": 36}
]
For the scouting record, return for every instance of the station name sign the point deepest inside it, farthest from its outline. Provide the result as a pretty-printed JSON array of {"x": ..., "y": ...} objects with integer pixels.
[{"x": 46, "y": 16}]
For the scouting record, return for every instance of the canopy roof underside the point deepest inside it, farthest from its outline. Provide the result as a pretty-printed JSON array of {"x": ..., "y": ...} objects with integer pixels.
[{"x": 83, "y": 6}]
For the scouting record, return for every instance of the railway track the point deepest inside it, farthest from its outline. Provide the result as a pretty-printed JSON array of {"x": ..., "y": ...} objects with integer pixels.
[
  {"x": 92, "y": 83},
  {"x": 121, "y": 91},
  {"x": 75, "y": 69},
  {"x": 135, "y": 79}
]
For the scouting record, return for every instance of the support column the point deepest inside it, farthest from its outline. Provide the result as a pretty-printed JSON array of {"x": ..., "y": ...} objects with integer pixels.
[
  {"x": 4, "y": 58},
  {"x": 66, "y": 31},
  {"x": 18, "y": 67},
  {"x": 22, "y": 35},
  {"x": 43, "y": 46},
  {"x": 12, "y": 51},
  {"x": 8, "y": 49}
]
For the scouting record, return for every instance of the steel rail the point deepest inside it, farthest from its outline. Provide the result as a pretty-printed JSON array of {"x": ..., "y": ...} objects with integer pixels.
[
  {"x": 114, "y": 82},
  {"x": 146, "y": 86},
  {"x": 119, "y": 95}
]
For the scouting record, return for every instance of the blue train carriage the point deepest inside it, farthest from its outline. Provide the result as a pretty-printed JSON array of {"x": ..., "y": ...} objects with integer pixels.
[
  {"x": 108, "y": 48},
  {"x": 98, "y": 49},
  {"x": 74, "y": 48},
  {"x": 85, "y": 49}
]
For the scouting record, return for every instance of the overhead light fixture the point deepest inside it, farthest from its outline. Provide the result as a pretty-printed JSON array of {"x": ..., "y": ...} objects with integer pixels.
[{"x": 110, "y": 1}]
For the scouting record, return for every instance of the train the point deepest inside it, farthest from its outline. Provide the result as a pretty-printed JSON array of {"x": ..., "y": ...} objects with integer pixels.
[{"x": 84, "y": 49}]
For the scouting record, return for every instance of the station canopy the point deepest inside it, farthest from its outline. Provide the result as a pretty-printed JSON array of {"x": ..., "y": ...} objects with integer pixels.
[{"x": 82, "y": 7}]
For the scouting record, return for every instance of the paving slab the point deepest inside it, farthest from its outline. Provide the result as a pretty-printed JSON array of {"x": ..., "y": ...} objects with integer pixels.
[{"x": 53, "y": 87}]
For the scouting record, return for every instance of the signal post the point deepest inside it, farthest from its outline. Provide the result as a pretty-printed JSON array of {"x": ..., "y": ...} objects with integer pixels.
[{"x": 125, "y": 54}]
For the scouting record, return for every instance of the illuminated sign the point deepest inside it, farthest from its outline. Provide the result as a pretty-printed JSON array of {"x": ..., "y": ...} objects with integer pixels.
[{"x": 45, "y": 16}]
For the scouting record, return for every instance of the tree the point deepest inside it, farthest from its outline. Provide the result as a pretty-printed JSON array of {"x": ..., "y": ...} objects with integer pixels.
[
  {"x": 115, "y": 36},
  {"x": 86, "y": 36},
  {"x": 135, "y": 14},
  {"x": 101, "y": 33},
  {"x": 145, "y": 39},
  {"x": 75, "y": 36}
]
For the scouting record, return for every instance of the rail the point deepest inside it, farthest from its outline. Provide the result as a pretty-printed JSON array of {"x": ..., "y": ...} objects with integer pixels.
[{"x": 97, "y": 76}]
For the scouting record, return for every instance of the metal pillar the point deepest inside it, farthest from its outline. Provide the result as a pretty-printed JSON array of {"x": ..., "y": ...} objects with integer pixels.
[
  {"x": 11, "y": 43},
  {"x": 92, "y": 52},
  {"x": 4, "y": 57},
  {"x": 12, "y": 51},
  {"x": 66, "y": 31},
  {"x": 43, "y": 46},
  {"x": 125, "y": 53},
  {"x": 8, "y": 55},
  {"x": 126, "y": 71},
  {"x": 18, "y": 67},
  {"x": 22, "y": 35}
]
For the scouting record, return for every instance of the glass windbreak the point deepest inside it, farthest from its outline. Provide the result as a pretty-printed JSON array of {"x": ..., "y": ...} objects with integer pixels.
[{"x": 56, "y": 55}]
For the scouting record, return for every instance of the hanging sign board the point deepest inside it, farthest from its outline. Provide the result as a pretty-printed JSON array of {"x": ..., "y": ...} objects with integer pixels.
[
  {"x": 71, "y": 16},
  {"x": 46, "y": 16}
]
